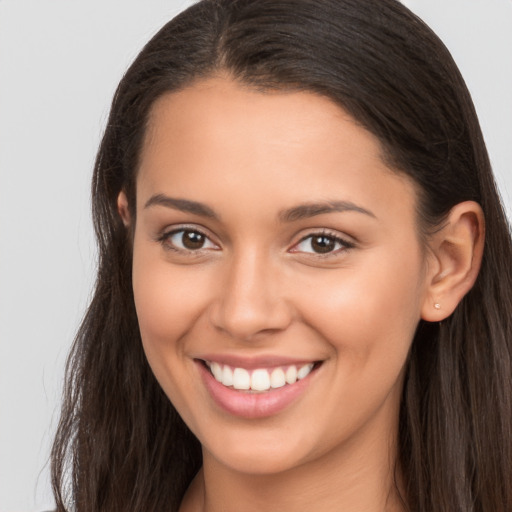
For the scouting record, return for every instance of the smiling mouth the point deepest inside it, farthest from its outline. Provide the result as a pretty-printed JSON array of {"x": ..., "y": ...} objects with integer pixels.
[{"x": 259, "y": 380}]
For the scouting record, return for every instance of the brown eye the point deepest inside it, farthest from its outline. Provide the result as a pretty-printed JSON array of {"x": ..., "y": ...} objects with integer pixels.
[
  {"x": 188, "y": 240},
  {"x": 323, "y": 244},
  {"x": 193, "y": 240}
]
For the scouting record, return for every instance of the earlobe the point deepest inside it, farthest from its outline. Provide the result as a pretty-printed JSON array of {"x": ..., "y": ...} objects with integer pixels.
[
  {"x": 122, "y": 208},
  {"x": 455, "y": 259}
]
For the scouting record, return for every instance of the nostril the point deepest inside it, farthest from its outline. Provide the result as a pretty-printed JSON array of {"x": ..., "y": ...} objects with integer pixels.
[{"x": 249, "y": 319}]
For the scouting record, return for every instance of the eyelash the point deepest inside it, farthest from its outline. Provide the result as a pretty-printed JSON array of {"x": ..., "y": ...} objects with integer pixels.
[
  {"x": 333, "y": 238},
  {"x": 165, "y": 241}
]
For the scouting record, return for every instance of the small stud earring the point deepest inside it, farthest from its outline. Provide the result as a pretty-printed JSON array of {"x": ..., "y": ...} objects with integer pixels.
[{"x": 437, "y": 305}]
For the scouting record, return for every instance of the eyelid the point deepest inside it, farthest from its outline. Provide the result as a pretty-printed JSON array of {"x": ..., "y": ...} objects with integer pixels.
[
  {"x": 346, "y": 243},
  {"x": 164, "y": 236}
]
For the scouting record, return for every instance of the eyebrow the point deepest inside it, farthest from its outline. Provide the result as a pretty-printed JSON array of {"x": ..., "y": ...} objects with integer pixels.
[
  {"x": 294, "y": 214},
  {"x": 184, "y": 205},
  {"x": 307, "y": 210}
]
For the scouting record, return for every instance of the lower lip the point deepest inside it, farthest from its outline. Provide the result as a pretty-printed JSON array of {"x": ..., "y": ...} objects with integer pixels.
[{"x": 249, "y": 404}]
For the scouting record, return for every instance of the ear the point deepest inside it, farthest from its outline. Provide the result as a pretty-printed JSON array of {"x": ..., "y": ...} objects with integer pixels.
[
  {"x": 454, "y": 262},
  {"x": 122, "y": 208}
]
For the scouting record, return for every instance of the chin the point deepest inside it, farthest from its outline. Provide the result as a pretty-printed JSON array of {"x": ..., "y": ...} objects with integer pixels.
[
  {"x": 257, "y": 462},
  {"x": 258, "y": 453}
]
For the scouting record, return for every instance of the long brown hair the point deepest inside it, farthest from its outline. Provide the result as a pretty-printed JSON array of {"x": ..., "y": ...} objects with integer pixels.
[{"x": 120, "y": 444}]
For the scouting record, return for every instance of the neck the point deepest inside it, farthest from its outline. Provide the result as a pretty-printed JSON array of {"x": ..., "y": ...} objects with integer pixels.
[{"x": 357, "y": 477}]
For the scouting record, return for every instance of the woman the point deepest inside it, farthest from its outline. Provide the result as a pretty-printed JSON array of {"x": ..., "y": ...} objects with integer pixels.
[{"x": 304, "y": 288}]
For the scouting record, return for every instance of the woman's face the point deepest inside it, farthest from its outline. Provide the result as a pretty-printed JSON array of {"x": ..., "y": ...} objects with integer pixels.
[{"x": 271, "y": 240}]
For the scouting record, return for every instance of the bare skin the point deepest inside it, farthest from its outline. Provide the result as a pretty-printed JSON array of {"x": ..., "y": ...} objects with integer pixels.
[{"x": 270, "y": 231}]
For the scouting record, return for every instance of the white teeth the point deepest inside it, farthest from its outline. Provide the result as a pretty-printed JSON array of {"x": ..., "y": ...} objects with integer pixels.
[
  {"x": 277, "y": 378},
  {"x": 304, "y": 371},
  {"x": 241, "y": 379},
  {"x": 260, "y": 379},
  {"x": 217, "y": 371},
  {"x": 291, "y": 375},
  {"x": 227, "y": 376}
]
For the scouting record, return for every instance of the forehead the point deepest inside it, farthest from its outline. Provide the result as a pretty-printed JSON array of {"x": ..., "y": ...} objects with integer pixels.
[
  {"x": 215, "y": 108},
  {"x": 217, "y": 138}
]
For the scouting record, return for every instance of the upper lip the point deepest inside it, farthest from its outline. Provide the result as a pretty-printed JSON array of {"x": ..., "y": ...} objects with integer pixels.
[{"x": 255, "y": 362}]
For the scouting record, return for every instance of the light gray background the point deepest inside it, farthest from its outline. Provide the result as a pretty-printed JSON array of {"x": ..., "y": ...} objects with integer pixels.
[{"x": 59, "y": 64}]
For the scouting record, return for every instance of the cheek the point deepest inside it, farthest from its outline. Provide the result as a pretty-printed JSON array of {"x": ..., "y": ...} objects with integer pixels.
[
  {"x": 369, "y": 319},
  {"x": 369, "y": 310},
  {"x": 167, "y": 298},
  {"x": 168, "y": 301}
]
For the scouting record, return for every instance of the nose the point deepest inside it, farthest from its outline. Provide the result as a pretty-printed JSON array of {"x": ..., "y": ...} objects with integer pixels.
[{"x": 251, "y": 299}]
